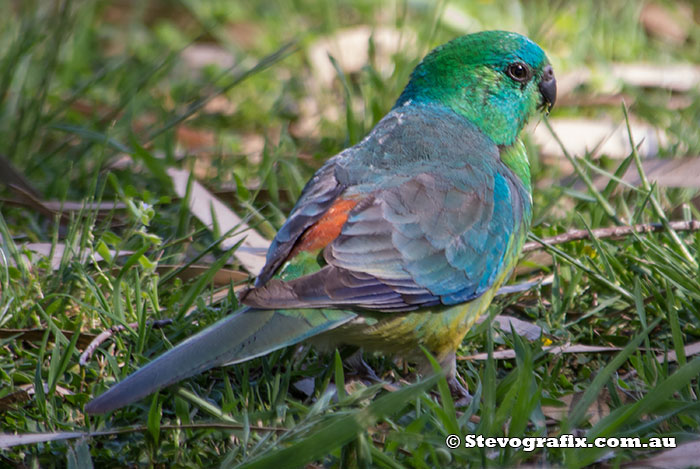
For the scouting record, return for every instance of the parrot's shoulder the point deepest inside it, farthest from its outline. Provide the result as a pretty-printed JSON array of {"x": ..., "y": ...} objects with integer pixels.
[{"x": 414, "y": 138}]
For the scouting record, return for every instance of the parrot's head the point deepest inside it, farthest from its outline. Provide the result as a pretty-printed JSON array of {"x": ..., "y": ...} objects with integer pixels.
[{"x": 496, "y": 79}]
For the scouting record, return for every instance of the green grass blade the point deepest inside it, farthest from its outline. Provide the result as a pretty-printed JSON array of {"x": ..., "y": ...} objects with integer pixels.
[
  {"x": 578, "y": 414},
  {"x": 340, "y": 430}
]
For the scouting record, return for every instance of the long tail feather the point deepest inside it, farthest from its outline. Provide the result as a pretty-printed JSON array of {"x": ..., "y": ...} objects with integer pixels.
[{"x": 242, "y": 336}]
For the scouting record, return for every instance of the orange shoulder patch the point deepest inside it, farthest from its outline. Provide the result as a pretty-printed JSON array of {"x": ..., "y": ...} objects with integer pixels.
[{"x": 326, "y": 229}]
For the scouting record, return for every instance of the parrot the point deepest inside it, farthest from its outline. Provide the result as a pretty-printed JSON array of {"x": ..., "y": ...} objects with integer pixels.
[{"x": 398, "y": 243}]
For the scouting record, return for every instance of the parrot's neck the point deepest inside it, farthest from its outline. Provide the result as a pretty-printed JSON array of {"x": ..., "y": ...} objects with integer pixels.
[{"x": 515, "y": 157}]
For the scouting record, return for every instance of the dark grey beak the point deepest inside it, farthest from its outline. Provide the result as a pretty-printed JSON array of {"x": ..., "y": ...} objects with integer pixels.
[{"x": 548, "y": 88}]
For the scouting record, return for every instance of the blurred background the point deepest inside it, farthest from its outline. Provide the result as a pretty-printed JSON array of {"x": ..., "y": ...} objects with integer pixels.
[{"x": 80, "y": 78}]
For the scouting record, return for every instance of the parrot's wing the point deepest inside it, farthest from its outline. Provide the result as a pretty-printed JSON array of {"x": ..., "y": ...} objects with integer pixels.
[
  {"x": 316, "y": 198},
  {"x": 436, "y": 237},
  {"x": 239, "y": 337}
]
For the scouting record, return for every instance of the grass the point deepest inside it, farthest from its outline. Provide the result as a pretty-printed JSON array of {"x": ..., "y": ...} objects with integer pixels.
[{"x": 83, "y": 85}]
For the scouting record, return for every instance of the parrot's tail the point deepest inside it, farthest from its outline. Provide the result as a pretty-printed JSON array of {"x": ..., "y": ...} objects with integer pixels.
[{"x": 244, "y": 335}]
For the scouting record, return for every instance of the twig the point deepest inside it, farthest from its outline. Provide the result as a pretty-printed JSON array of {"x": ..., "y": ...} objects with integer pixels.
[
  {"x": 612, "y": 232},
  {"x": 97, "y": 341}
]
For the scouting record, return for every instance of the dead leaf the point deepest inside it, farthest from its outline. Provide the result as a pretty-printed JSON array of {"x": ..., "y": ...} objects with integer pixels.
[
  {"x": 25, "y": 392},
  {"x": 601, "y": 137},
  {"x": 244, "y": 34},
  {"x": 509, "y": 354},
  {"x": 13, "y": 178},
  {"x": 34, "y": 202},
  {"x": 29, "y": 197},
  {"x": 676, "y": 172},
  {"x": 208, "y": 208},
  {"x": 44, "y": 249},
  {"x": 525, "y": 286},
  {"x": 306, "y": 386},
  {"x": 680, "y": 77},
  {"x": 671, "y": 356},
  {"x": 9, "y": 440},
  {"x": 350, "y": 48},
  {"x": 460, "y": 20},
  {"x": 12, "y": 400},
  {"x": 614, "y": 99},
  {"x": 220, "y": 105},
  {"x": 195, "y": 139},
  {"x": 38, "y": 334},
  {"x": 252, "y": 145},
  {"x": 668, "y": 23},
  {"x": 522, "y": 328},
  {"x": 223, "y": 277},
  {"x": 67, "y": 206},
  {"x": 681, "y": 457},
  {"x": 598, "y": 410},
  {"x": 533, "y": 261},
  {"x": 568, "y": 82},
  {"x": 593, "y": 100},
  {"x": 198, "y": 55}
]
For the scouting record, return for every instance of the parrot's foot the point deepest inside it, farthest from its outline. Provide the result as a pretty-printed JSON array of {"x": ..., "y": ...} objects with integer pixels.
[
  {"x": 459, "y": 393},
  {"x": 461, "y": 396}
]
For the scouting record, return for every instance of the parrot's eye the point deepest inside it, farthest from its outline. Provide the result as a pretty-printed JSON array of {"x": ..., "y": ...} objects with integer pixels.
[{"x": 519, "y": 72}]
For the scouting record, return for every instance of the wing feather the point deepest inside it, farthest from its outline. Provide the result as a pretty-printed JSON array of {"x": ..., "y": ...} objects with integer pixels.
[{"x": 427, "y": 230}]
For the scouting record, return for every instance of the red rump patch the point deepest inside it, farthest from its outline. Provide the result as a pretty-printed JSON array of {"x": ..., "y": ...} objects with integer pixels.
[{"x": 326, "y": 229}]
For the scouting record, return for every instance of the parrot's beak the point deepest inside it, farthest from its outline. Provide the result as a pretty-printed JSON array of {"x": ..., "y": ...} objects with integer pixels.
[{"x": 548, "y": 88}]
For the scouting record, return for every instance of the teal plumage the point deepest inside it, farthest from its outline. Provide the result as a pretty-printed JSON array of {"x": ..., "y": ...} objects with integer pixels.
[{"x": 402, "y": 240}]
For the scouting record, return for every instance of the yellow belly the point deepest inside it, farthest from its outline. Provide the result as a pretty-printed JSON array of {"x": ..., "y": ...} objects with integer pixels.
[{"x": 439, "y": 329}]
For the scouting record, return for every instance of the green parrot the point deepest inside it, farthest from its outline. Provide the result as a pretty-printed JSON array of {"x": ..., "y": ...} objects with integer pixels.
[{"x": 402, "y": 240}]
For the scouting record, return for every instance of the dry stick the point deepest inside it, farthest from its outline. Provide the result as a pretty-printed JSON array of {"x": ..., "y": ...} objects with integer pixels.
[
  {"x": 612, "y": 232},
  {"x": 97, "y": 341}
]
